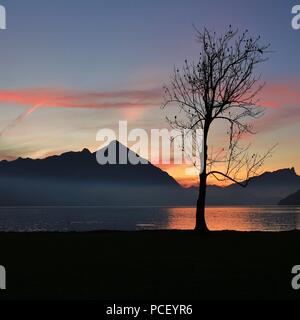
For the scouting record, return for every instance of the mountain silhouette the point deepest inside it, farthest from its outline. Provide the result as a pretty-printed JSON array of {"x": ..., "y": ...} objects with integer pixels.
[
  {"x": 266, "y": 189},
  {"x": 83, "y": 166},
  {"x": 291, "y": 200},
  {"x": 76, "y": 178}
]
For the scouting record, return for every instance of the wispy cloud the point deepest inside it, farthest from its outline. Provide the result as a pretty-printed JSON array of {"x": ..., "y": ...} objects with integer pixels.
[
  {"x": 57, "y": 98},
  {"x": 281, "y": 98},
  {"x": 20, "y": 118},
  {"x": 278, "y": 94},
  {"x": 283, "y": 103},
  {"x": 279, "y": 118},
  {"x": 81, "y": 99}
]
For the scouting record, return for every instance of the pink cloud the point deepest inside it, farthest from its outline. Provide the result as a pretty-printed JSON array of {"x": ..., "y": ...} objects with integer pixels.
[
  {"x": 282, "y": 101},
  {"x": 57, "y": 98},
  {"x": 279, "y": 118},
  {"x": 81, "y": 99},
  {"x": 278, "y": 94}
]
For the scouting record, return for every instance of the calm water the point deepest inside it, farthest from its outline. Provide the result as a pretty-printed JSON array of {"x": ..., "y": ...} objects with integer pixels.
[{"x": 267, "y": 218}]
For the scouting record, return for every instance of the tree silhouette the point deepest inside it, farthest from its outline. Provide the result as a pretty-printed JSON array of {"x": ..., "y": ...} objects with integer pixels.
[{"x": 222, "y": 86}]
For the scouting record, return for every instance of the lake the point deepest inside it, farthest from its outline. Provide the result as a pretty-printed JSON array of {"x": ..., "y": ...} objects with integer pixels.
[{"x": 254, "y": 218}]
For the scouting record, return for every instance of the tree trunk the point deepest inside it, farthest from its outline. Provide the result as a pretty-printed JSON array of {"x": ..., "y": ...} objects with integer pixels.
[{"x": 200, "y": 212}]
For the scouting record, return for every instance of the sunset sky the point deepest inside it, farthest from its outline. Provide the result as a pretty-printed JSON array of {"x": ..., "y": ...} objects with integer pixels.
[{"x": 70, "y": 68}]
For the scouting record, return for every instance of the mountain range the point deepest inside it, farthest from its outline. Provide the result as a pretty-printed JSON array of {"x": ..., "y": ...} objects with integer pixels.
[
  {"x": 291, "y": 200},
  {"x": 76, "y": 178},
  {"x": 266, "y": 189}
]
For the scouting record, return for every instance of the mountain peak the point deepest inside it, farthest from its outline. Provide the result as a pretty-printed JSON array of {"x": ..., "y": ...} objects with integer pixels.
[
  {"x": 86, "y": 150},
  {"x": 117, "y": 144},
  {"x": 285, "y": 171},
  {"x": 119, "y": 154},
  {"x": 293, "y": 170}
]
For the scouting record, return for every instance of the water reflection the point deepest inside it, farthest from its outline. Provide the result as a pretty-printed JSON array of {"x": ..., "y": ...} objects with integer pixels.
[{"x": 268, "y": 218}]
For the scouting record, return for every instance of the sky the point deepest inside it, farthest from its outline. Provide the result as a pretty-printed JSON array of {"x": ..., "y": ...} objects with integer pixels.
[{"x": 70, "y": 68}]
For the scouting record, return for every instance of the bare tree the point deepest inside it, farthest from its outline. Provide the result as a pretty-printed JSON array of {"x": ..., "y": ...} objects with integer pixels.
[{"x": 222, "y": 86}]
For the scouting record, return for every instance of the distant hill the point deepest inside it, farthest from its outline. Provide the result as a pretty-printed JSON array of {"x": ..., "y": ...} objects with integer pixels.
[
  {"x": 76, "y": 178},
  {"x": 293, "y": 199},
  {"x": 266, "y": 189}
]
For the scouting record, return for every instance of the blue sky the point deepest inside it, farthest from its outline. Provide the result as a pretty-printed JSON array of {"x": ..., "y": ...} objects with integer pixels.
[{"x": 85, "y": 44}]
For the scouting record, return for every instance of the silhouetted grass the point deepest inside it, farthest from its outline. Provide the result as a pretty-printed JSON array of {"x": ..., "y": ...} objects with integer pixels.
[{"x": 149, "y": 264}]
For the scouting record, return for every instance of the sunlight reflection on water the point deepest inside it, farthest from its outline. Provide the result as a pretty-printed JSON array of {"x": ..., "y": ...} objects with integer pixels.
[{"x": 267, "y": 218}]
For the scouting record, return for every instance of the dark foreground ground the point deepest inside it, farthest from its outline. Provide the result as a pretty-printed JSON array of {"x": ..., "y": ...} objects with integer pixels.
[{"x": 149, "y": 264}]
